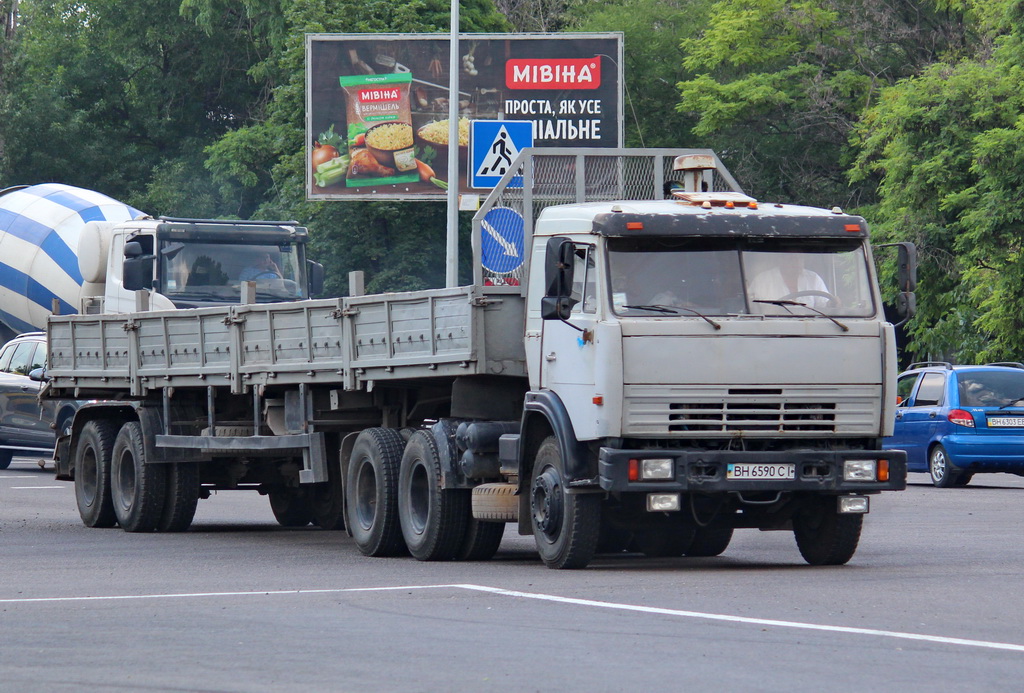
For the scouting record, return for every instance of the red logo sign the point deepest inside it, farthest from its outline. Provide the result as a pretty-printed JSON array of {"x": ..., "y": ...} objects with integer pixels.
[
  {"x": 553, "y": 73},
  {"x": 378, "y": 94}
]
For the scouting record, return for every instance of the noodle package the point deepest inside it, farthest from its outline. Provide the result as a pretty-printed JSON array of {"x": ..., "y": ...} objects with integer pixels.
[{"x": 380, "y": 136}]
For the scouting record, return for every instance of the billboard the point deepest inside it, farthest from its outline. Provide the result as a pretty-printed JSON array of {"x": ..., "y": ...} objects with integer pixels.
[{"x": 377, "y": 104}]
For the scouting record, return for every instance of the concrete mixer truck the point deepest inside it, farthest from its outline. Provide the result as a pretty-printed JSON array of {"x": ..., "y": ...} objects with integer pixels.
[{"x": 68, "y": 250}]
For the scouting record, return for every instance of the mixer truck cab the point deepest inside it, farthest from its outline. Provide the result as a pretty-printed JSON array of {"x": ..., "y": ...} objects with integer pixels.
[
  {"x": 191, "y": 263},
  {"x": 68, "y": 250}
]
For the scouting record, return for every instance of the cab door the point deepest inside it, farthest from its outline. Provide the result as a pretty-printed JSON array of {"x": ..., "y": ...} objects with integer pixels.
[{"x": 569, "y": 350}]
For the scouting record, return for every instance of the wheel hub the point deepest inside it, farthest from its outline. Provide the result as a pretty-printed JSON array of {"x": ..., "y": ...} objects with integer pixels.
[{"x": 546, "y": 502}]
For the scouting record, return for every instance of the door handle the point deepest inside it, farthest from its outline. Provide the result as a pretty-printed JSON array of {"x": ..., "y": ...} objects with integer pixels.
[
  {"x": 550, "y": 357},
  {"x": 932, "y": 415},
  {"x": 899, "y": 415}
]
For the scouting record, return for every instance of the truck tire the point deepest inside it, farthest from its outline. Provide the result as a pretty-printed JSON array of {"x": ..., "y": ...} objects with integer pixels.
[
  {"x": 92, "y": 474},
  {"x": 823, "y": 535},
  {"x": 182, "y": 497},
  {"x": 137, "y": 489},
  {"x": 5, "y": 458},
  {"x": 709, "y": 541},
  {"x": 291, "y": 507},
  {"x": 481, "y": 541},
  {"x": 433, "y": 519},
  {"x": 565, "y": 526},
  {"x": 371, "y": 492},
  {"x": 327, "y": 500}
]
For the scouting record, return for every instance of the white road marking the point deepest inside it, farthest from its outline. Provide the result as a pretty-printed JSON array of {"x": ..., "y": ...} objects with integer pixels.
[
  {"x": 21, "y": 487},
  {"x": 963, "y": 642}
]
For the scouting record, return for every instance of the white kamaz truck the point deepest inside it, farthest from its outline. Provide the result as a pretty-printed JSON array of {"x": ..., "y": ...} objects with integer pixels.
[{"x": 626, "y": 373}]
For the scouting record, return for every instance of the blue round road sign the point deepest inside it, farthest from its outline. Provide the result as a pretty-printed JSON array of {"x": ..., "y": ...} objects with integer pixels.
[{"x": 501, "y": 240}]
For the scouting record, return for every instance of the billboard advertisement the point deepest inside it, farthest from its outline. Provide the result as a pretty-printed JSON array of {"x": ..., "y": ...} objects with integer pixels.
[{"x": 377, "y": 104}]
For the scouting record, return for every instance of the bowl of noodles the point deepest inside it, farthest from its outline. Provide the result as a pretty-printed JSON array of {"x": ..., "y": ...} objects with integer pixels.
[
  {"x": 390, "y": 143},
  {"x": 435, "y": 136}
]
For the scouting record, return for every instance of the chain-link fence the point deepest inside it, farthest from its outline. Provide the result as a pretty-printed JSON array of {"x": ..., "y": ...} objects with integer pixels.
[{"x": 540, "y": 178}]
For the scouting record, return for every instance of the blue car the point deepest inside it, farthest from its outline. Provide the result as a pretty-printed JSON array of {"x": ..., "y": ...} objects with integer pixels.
[{"x": 956, "y": 421}]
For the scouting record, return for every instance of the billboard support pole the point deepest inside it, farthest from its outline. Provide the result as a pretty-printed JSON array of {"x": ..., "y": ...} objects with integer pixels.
[{"x": 452, "y": 238}]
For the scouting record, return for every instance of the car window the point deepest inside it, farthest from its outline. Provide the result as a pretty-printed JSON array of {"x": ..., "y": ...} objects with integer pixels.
[
  {"x": 904, "y": 386},
  {"x": 39, "y": 357},
  {"x": 5, "y": 358},
  {"x": 21, "y": 360},
  {"x": 991, "y": 388},
  {"x": 929, "y": 393}
]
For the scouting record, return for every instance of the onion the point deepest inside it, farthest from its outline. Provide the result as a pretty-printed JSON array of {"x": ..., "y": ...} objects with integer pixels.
[{"x": 323, "y": 153}]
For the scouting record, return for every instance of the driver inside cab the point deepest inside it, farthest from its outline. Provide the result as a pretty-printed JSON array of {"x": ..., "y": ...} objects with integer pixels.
[{"x": 786, "y": 277}]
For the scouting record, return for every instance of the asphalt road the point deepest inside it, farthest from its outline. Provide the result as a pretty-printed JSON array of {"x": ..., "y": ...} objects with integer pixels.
[{"x": 931, "y": 602}]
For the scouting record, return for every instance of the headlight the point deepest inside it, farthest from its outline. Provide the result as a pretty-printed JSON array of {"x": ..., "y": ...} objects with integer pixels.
[
  {"x": 656, "y": 469},
  {"x": 859, "y": 470},
  {"x": 662, "y": 502},
  {"x": 853, "y": 504}
]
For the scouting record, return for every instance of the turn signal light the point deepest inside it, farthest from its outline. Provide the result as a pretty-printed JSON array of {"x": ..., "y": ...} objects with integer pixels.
[
  {"x": 961, "y": 418},
  {"x": 883, "y": 470},
  {"x": 634, "y": 470},
  {"x": 635, "y": 225}
]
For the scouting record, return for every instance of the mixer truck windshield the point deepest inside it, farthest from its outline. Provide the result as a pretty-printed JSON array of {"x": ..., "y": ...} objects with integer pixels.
[
  {"x": 666, "y": 277},
  {"x": 200, "y": 271}
]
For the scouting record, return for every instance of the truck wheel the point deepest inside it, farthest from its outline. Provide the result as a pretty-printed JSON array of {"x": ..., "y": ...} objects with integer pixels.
[
  {"x": 433, "y": 519},
  {"x": 5, "y": 458},
  {"x": 137, "y": 489},
  {"x": 182, "y": 497},
  {"x": 92, "y": 474},
  {"x": 823, "y": 535},
  {"x": 709, "y": 541},
  {"x": 942, "y": 472},
  {"x": 371, "y": 492},
  {"x": 291, "y": 507},
  {"x": 481, "y": 541},
  {"x": 565, "y": 526}
]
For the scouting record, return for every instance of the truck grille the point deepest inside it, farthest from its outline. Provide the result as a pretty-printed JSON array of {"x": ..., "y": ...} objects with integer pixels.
[{"x": 704, "y": 411}]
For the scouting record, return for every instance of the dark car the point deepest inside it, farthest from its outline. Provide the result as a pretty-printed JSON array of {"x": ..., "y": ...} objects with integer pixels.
[
  {"x": 26, "y": 427},
  {"x": 957, "y": 421}
]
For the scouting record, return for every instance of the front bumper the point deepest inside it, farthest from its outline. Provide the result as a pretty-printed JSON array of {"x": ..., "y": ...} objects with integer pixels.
[{"x": 705, "y": 471}]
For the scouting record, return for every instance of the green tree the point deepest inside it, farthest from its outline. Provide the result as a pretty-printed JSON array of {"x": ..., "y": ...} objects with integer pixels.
[
  {"x": 109, "y": 95},
  {"x": 946, "y": 149},
  {"x": 779, "y": 84},
  {"x": 653, "y": 58}
]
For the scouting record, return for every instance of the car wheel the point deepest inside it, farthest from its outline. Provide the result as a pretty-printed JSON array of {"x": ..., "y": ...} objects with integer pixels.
[
  {"x": 5, "y": 458},
  {"x": 943, "y": 474},
  {"x": 965, "y": 478},
  {"x": 565, "y": 525}
]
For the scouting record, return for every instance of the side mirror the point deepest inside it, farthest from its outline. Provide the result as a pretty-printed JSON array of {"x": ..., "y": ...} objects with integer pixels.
[
  {"x": 138, "y": 272},
  {"x": 315, "y": 277},
  {"x": 555, "y": 307},
  {"x": 906, "y": 261},
  {"x": 38, "y": 375}
]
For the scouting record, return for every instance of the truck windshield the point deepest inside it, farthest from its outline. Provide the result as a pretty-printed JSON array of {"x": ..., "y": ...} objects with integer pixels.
[
  {"x": 657, "y": 277},
  {"x": 214, "y": 271}
]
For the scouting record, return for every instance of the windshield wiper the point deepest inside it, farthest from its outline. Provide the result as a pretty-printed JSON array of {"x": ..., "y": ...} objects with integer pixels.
[
  {"x": 785, "y": 303},
  {"x": 1011, "y": 402},
  {"x": 674, "y": 310}
]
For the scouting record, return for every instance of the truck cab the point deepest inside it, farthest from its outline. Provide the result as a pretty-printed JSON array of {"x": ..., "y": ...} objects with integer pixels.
[{"x": 191, "y": 263}]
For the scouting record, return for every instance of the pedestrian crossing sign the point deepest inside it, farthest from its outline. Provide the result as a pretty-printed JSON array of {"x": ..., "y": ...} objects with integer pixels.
[{"x": 493, "y": 146}]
